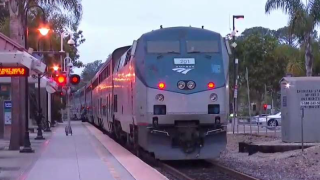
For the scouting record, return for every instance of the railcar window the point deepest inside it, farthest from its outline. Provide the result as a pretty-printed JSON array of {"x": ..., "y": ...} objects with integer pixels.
[
  {"x": 101, "y": 107},
  {"x": 163, "y": 47},
  {"x": 202, "y": 46},
  {"x": 108, "y": 71},
  {"x": 107, "y": 106},
  {"x": 95, "y": 83},
  {"x": 115, "y": 103},
  {"x": 128, "y": 57}
]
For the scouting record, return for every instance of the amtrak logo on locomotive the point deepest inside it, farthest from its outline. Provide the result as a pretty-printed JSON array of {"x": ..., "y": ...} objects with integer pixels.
[
  {"x": 183, "y": 65},
  {"x": 182, "y": 70}
]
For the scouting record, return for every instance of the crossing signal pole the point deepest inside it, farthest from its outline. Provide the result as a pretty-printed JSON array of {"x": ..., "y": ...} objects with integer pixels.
[{"x": 235, "y": 70}]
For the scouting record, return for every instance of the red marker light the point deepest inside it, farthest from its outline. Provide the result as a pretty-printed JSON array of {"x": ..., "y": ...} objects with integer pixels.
[
  {"x": 162, "y": 85},
  {"x": 74, "y": 79},
  {"x": 211, "y": 85}
]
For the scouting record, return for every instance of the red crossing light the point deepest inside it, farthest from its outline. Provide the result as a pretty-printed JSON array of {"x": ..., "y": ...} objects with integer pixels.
[
  {"x": 74, "y": 79},
  {"x": 61, "y": 80}
]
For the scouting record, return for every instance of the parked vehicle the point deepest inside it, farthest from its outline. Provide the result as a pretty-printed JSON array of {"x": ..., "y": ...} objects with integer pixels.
[
  {"x": 258, "y": 118},
  {"x": 270, "y": 121}
]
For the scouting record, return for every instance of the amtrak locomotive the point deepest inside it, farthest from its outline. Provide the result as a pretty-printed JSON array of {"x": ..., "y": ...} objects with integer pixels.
[{"x": 167, "y": 94}]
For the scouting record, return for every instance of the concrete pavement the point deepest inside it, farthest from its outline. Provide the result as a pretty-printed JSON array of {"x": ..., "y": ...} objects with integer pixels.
[
  {"x": 87, "y": 155},
  {"x": 14, "y": 164},
  {"x": 77, "y": 157}
]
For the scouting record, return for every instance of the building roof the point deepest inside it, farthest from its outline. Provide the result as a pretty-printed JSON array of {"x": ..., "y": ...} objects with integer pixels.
[{"x": 7, "y": 44}]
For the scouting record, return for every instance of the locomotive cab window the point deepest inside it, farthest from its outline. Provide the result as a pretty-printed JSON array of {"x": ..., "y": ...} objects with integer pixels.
[
  {"x": 202, "y": 46},
  {"x": 163, "y": 47}
]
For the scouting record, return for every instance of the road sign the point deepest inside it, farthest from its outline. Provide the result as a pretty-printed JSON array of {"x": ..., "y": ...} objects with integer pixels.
[
  {"x": 7, "y": 112},
  {"x": 235, "y": 93},
  {"x": 234, "y": 45}
]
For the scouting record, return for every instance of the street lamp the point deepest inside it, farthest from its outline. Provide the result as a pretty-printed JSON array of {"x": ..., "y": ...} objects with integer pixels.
[
  {"x": 44, "y": 31},
  {"x": 55, "y": 68},
  {"x": 235, "y": 68},
  {"x": 27, "y": 145}
]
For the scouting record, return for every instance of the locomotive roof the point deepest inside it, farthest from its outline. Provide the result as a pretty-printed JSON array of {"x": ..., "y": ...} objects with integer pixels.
[{"x": 166, "y": 33}]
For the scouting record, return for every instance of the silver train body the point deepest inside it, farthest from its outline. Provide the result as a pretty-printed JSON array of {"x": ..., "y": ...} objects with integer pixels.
[{"x": 166, "y": 94}]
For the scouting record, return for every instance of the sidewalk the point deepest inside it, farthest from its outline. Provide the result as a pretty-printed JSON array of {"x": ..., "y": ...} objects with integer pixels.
[
  {"x": 77, "y": 157},
  {"x": 13, "y": 164}
]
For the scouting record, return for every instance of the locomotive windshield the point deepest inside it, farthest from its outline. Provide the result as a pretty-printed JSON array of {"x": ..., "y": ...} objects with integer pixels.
[
  {"x": 202, "y": 47},
  {"x": 163, "y": 47}
]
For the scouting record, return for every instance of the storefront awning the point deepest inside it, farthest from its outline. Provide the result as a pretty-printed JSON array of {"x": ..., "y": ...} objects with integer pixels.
[{"x": 19, "y": 58}]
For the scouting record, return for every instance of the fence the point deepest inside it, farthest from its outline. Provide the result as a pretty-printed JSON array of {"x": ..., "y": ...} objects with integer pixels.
[{"x": 255, "y": 125}]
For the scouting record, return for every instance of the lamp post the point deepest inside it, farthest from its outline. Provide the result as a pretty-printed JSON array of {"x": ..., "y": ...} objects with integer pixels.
[
  {"x": 43, "y": 32},
  {"x": 235, "y": 69},
  {"x": 27, "y": 145}
]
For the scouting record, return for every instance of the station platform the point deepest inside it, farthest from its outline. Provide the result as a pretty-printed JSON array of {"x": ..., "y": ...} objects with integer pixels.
[{"x": 87, "y": 155}]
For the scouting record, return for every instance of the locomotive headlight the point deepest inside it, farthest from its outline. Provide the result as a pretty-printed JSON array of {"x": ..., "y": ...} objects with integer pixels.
[
  {"x": 191, "y": 85},
  {"x": 213, "y": 97},
  {"x": 160, "y": 97},
  {"x": 181, "y": 85}
]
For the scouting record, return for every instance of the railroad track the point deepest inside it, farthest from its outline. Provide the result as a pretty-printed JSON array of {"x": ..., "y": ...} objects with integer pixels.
[
  {"x": 174, "y": 172},
  {"x": 230, "y": 173},
  {"x": 233, "y": 173},
  {"x": 179, "y": 175}
]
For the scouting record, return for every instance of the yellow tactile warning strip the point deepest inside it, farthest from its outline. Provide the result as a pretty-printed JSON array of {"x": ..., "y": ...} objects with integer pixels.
[
  {"x": 110, "y": 166},
  {"x": 136, "y": 167}
]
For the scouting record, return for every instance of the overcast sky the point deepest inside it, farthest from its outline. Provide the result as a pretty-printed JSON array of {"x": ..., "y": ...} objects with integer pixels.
[{"x": 108, "y": 24}]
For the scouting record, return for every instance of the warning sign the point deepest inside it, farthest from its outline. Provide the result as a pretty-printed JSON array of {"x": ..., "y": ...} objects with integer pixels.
[{"x": 310, "y": 98}]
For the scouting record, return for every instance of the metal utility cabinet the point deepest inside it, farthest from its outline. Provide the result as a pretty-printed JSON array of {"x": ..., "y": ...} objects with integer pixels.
[{"x": 298, "y": 93}]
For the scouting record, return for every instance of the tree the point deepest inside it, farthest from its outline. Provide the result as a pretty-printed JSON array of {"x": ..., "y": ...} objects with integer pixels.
[
  {"x": 90, "y": 70},
  {"x": 260, "y": 52},
  {"x": 285, "y": 36},
  {"x": 303, "y": 20},
  {"x": 17, "y": 10}
]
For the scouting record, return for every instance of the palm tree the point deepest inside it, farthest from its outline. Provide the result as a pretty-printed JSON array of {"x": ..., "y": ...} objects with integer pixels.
[
  {"x": 17, "y": 8},
  {"x": 295, "y": 68},
  {"x": 303, "y": 20}
]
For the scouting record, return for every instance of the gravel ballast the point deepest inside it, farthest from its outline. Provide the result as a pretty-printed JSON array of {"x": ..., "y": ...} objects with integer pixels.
[{"x": 291, "y": 165}]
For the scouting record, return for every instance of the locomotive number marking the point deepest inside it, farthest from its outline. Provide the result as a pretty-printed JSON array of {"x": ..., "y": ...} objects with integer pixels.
[{"x": 184, "y": 61}]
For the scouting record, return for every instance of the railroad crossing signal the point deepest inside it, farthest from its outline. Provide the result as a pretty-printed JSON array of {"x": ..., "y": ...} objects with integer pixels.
[
  {"x": 265, "y": 106},
  {"x": 61, "y": 79},
  {"x": 74, "y": 79}
]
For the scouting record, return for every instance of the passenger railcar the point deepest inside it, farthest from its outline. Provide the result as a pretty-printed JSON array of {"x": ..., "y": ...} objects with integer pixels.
[{"x": 166, "y": 94}]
